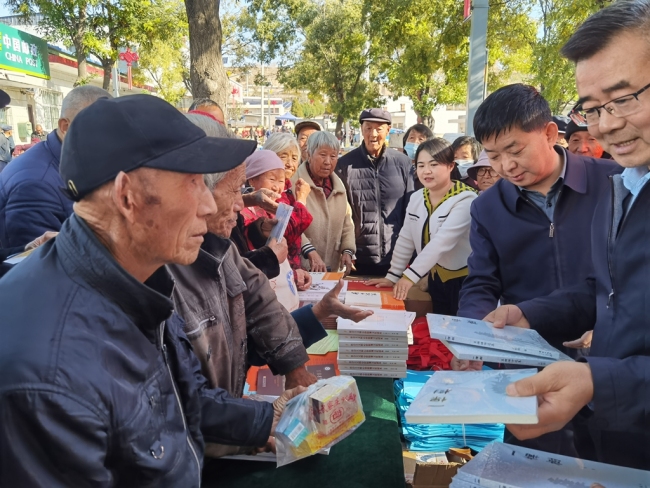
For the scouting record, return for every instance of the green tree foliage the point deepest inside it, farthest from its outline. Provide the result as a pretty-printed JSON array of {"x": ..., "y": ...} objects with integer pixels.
[
  {"x": 66, "y": 21},
  {"x": 553, "y": 74},
  {"x": 429, "y": 51},
  {"x": 164, "y": 63}
]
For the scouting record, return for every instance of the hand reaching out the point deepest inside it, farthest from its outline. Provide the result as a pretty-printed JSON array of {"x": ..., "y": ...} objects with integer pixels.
[
  {"x": 331, "y": 305},
  {"x": 280, "y": 249},
  {"x": 316, "y": 264}
]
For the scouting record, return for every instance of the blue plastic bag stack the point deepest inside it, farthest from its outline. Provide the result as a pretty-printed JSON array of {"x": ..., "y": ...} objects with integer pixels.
[{"x": 438, "y": 438}]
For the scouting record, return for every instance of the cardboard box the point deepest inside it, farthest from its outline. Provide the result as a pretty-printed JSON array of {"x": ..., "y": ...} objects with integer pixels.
[{"x": 434, "y": 475}]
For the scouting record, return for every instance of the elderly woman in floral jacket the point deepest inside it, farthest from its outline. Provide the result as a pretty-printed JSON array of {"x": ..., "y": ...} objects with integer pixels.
[{"x": 331, "y": 233}]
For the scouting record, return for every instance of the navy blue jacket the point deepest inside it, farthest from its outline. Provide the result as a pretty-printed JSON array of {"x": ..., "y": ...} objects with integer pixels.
[
  {"x": 31, "y": 201},
  {"x": 517, "y": 255},
  {"x": 615, "y": 303},
  {"x": 378, "y": 195},
  {"x": 99, "y": 385}
]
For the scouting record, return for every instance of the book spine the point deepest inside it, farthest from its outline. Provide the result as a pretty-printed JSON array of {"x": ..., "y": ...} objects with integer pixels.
[
  {"x": 367, "y": 342},
  {"x": 363, "y": 356},
  {"x": 366, "y": 332},
  {"x": 530, "y": 350},
  {"x": 362, "y": 336},
  {"x": 375, "y": 374},
  {"x": 355, "y": 366}
]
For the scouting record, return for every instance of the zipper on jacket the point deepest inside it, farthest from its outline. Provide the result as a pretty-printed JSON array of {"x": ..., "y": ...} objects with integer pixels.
[
  {"x": 609, "y": 245},
  {"x": 163, "y": 346},
  {"x": 551, "y": 234},
  {"x": 381, "y": 218}
]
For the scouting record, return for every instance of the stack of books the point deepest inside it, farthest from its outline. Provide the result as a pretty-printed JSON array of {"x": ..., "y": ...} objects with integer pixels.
[
  {"x": 478, "y": 341},
  {"x": 504, "y": 466},
  {"x": 473, "y": 397},
  {"x": 377, "y": 346}
]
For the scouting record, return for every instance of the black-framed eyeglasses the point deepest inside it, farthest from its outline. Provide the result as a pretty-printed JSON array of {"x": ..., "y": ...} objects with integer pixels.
[
  {"x": 618, "y": 107},
  {"x": 486, "y": 172}
]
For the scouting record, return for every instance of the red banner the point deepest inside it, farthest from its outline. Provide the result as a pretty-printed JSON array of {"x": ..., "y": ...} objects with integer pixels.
[{"x": 467, "y": 10}]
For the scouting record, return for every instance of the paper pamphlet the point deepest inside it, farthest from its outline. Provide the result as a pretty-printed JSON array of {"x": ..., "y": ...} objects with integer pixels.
[
  {"x": 479, "y": 333},
  {"x": 501, "y": 465},
  {"x": 477, "y": 353},
  {"x": 283, "y": 214},
  {"x": 472, "y": 397}
]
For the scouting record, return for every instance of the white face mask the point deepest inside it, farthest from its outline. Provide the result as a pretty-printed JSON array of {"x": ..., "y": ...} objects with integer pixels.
[{"x": 463, "y": 166}]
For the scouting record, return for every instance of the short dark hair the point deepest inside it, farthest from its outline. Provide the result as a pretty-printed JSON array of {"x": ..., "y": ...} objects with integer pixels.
[
  {"x": 598, "y": 30},
  {"x": 438, "y": 148},
  {"x": 421, "y": 128},
  {"x": 204, "y": 102},
  {"x": 468, "y": 141},
  {"x": 520, "y": 106}
]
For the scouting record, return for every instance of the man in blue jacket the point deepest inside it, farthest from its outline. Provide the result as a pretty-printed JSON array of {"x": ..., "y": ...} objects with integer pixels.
[
  {"x": 530, "y": 231},
  {"x": 99, "y": 384},
  {"x": 611, "y": 388},
  {"x": 31, "y": 202},
  {"x": 377, "y": 180}
]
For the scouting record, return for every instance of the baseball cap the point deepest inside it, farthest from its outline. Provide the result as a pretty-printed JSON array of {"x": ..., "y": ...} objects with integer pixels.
[
  {"x": 127, "y": 133},
  {"x": 376, "y": 115},
  {"x": 307, "y": 123},
  {"x": 561, "y": 122},
  {"x": 572, "y": 127},
  {"x": 6, "y": 127}
]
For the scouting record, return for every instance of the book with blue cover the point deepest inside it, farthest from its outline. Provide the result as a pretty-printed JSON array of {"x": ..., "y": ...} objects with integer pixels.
[
  {"x": 477, "y": 353},
  {"x": 473, "y": 397},
  {"x": 505, "y": 466},
  {"x": 479, "y": 333}
]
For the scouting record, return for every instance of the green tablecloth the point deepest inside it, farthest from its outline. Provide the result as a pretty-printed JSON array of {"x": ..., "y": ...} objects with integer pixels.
[{"x": 370, "y": 458}]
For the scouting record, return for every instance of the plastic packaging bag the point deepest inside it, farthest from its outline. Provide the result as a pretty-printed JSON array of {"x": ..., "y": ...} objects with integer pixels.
[{"x": 325, "y": 414}]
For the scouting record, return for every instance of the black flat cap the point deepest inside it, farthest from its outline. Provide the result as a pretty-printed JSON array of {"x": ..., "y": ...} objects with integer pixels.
[
  {"x": 376, "y": 115},
  {"x": 561, "y": 122},
  {"x": 127, "y": 133}
]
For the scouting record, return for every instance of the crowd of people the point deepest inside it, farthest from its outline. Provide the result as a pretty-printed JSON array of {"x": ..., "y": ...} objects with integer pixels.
[{"x": 154, "y": 282}]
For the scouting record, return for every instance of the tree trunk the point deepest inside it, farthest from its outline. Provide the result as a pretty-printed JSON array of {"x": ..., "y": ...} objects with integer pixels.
[
  {"x": 339, "y": 126},
  {"x": 428, "y": 120},
  {"x": 207, "y": 74},
  {"x": 107, "y": 64},
  {"x": 82, "y": 64}
]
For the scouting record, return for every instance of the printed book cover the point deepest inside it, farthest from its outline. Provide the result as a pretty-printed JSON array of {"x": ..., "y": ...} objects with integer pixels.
[
  {"x": 477, "y": 353},
  {"x": 373, "y": 300},
  {"x": 472, "y": 397},
  {"x": 283, "y": 214},
  {"x": 478, "y": 333},
  {"x": 501, "y": 465},
  {"x": 382, "y": 322}
]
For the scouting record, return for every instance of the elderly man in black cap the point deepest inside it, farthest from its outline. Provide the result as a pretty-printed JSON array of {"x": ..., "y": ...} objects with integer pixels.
[
  {"x": 303, "y": 130},
  {"x": 377, "y": 180},
  {"x": 99, "y": 385},
  {"x": 581, "y": 142}
]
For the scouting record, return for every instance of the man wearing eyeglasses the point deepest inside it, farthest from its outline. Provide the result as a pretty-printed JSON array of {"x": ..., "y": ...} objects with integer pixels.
[{"x": 612, "y": 387}]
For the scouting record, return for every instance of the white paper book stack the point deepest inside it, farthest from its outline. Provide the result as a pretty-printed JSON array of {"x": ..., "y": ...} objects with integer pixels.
[
  {"x": 472, "y": 397},
  {"x": 376, "y": 346},
  {"x": 478, "y": 340},
  {"x": 505, "y": 466}
]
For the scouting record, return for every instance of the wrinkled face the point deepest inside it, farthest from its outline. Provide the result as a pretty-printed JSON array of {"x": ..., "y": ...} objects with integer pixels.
[
  {"x": 431, "y": 173},
  {"x": 227, "y": 196},
  {"x": 170, "y": 216},
  {"x": 583, "y": 143},
  {"x": 290, "y": 158},
  {"x": 216, "y": 112},
  {"x": 39, "y": 128},
  {"x": 526, "y": 159},
  {"x": 323, "y": 161},
  {"x": 621, "y": 68},
  {"x": 464, "y": 153},
  {"x": 374, "y": 135},
  {"x": 303, "y": 135},
  {"x": 272, "y": 180},
  {"x": 416, "y": 137},
  {"x": 485, "y": 178}
]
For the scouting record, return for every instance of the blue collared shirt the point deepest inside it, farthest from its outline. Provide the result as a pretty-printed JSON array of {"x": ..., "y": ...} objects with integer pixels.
[
  {"x": 548, "y": 202},
  {"x": 634, "y": 179}
]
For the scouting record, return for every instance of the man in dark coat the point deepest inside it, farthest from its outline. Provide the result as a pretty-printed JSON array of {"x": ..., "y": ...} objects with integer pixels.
[
  {"x": 99, "y": 384},
  {"x": 31, "y": 202},
  {"x": 377, "y": 180},
  {"x": 611, "y": 387}
]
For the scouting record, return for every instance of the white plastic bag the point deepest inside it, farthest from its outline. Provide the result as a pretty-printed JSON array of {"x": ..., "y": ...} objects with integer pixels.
[{"x": 325, "y": 414}]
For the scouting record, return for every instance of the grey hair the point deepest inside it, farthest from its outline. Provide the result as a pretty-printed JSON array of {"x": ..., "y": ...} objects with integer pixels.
[
  {"x": 320, "y": 139},
  {"x": 213, "y": 129},
  {"x": 204, "y": 102},
  {"x": 80, "y": 98},
  {"x": 280, "y": 141},
  {"x": 599, "y": 29}
]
